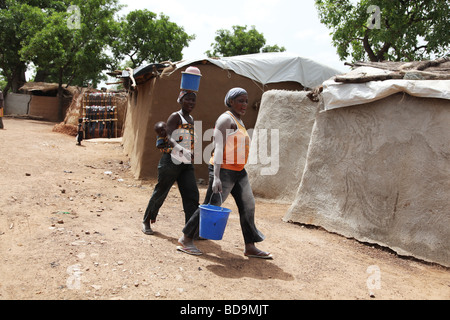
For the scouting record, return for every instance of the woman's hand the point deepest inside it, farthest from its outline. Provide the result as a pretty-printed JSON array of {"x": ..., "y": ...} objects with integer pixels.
[
  {"x": 217, "y": 185},
  {"x": 182, "y": 154},
  {"x": 186, "y": 154}
]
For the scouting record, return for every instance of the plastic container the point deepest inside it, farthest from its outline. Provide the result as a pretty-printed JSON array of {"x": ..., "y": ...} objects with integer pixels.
[
  {"x": 213, "y": 220},
  {"x": 190, "y": 79}
]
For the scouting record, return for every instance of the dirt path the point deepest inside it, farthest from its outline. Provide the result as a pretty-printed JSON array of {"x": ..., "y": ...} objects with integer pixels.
[{"x": 70, "y": 220}]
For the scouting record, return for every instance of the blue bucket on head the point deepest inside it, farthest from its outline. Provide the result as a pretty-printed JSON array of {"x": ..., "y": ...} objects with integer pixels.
[
  {"x": 213, "y": 220},
  {"x": 190, "y": 79}
]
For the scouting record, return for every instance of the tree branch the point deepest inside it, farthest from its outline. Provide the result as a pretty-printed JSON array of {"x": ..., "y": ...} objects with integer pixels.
[
  {"x": 367, "y": 47},
  {"x": 382, "y": 51}
]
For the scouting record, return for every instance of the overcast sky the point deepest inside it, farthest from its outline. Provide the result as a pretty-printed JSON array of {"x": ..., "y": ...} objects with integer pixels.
[{"x": 292, "y": 24}]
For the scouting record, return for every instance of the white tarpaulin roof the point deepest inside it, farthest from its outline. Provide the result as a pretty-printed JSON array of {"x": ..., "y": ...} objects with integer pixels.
[
  {"x": 273, "y": 67},
  {"x": 338, "y": 94}
]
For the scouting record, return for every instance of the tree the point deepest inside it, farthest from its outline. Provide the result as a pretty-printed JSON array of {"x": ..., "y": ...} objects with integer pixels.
[
  {"x": 15, "y": 31},
  {"x": 71, "y": 51},
  {"x": 19, "y": 20},
  {"x": 274, "y": 48},
  {"x": 380, "y": 30},
  {"x": 239, "y": 41},
  {"x": 143, "y": 37}
]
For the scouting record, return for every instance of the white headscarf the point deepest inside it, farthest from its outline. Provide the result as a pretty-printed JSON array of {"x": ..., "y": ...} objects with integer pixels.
[{"x": 233, "y": 94}]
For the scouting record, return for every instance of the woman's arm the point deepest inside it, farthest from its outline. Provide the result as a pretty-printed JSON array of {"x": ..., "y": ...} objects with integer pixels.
[
  {"x": 172, "y": 124},
  {"x": 223, "y": 124}
]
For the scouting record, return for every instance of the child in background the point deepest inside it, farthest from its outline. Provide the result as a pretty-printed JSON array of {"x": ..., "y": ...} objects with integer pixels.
[{"x": 80, "y": 131}]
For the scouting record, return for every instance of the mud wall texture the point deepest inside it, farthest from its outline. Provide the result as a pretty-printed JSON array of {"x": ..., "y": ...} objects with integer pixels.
[
  {"x": 280, "y": 144},
  {"x": 380, "y": 173}
]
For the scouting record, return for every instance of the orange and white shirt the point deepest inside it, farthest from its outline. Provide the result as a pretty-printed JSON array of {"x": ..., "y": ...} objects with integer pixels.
[{"x": 236, "y": 149}]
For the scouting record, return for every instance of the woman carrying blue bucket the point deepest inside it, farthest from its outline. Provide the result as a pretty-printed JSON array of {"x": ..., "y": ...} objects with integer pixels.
[
  {"x": 227, "y": 175},
  {"x": 175, "y": 163}
]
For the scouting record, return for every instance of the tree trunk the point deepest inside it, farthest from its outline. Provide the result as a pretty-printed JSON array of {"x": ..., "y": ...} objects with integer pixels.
[
  {"x": 60, "y": 96},
  {"x": 368, "y": 49},
  {"x": 41, "y": 75},
  {"x": 385, "y": 49},
  {"x": 18, "y": 79}
]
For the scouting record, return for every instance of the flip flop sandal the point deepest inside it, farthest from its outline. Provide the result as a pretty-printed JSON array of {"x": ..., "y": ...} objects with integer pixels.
[
  {"x": 260, "y": 255},
  {"x": 147, "y": 231},
  {"x": 189, "y": 250}
]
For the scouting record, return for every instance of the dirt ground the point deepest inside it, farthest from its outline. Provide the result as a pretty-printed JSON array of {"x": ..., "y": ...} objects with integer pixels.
[{"x": 70, "y": 228}]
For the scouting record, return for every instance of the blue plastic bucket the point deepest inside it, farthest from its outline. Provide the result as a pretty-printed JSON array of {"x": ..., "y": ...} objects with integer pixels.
[
  {"x": 190, "y": 81},
  {"x": 213, "y": 220}
]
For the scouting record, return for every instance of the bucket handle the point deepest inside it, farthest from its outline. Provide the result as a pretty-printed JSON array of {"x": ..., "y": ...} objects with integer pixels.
[{"x": 221, "y": 199}]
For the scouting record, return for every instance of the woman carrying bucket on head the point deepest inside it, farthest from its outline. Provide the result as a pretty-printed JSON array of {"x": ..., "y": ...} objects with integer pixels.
[
  {"x": 227, "y": 175},
  {"x": 175, "y": 164}
]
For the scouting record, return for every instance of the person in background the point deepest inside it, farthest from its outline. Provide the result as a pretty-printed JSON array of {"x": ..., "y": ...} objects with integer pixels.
[
  {"x": 80, "y": 131},
  {"x": 1, "y": 109},
  {"x": 175, "y": 164},
  {"x": 227, "y": 175}
]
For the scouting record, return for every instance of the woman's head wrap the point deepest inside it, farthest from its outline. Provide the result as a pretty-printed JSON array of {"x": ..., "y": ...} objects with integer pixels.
[
  {"x": 183, "y": 93},
  {"x": 233, "y": 94}
]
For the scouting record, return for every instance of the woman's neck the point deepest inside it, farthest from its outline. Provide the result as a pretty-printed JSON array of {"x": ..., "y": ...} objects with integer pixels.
[{"x": 237, "y": 115}]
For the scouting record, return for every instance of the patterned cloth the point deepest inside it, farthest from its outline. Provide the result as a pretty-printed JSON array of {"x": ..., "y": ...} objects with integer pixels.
[
  {"x": 183, "y": 93},
  {"x": 162, "y": 143}
]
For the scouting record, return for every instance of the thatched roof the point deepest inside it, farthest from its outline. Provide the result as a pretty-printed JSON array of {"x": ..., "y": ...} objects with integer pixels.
[
  {"x": 438, "y": 69},
  {"x": 48, "y": 87},
  {"x": 364, "y": 72}
]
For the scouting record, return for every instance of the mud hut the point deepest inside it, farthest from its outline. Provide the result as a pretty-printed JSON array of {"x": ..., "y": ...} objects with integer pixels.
[
  {"x": 44, "y": 102},
  {"x": 377, "y": 164},
  {"x": 153, "y": 91},
  {"x": 280, "y": 143}
]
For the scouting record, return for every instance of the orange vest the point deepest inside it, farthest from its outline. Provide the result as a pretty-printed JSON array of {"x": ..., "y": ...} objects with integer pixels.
[{"x": 236, "y": 148}]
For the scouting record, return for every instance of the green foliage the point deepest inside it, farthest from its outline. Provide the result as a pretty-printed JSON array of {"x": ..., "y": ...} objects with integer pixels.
[
  {"x": 142, "y": 37},
  {"x": 274, "y": 48},
  {"x": 407, "y": 31},
  {"x": 77, "y": 51},
  {"x": 3, "y": 83},
  {"x": 239, "y": 41},
  {"x": 14, "y": 17},
  {"x": 71, "y": 54}
]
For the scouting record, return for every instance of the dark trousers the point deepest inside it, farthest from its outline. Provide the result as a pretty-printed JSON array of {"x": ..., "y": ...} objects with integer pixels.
[
  {"x": 168, "y": 174},
  {"x": 238, "y": 184}
]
